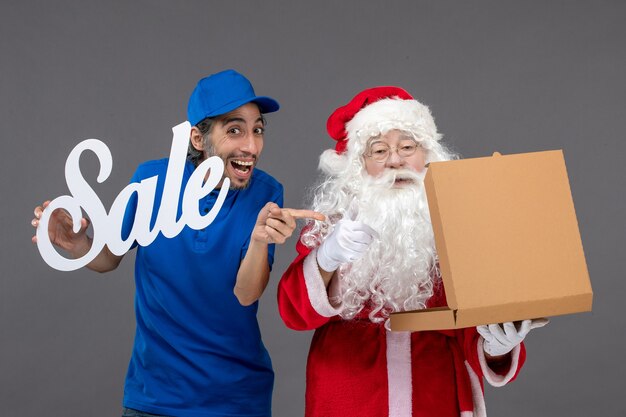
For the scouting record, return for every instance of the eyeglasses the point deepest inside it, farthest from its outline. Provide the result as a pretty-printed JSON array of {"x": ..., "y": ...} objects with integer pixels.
[{"x": 380, "y": 151}]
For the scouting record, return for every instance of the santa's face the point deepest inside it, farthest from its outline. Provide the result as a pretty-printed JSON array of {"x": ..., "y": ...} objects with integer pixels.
[{"x": 392, "y": 151}]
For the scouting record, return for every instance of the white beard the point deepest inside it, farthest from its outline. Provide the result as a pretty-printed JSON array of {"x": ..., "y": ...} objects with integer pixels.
[{"x": 398, "y": 271}]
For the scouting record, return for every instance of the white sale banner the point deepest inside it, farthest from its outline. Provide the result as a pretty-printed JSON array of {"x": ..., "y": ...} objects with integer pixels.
[{"x": 107, "y": 226}]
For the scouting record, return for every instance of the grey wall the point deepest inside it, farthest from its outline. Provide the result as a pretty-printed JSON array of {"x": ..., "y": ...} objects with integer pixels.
[{"x": 498, "y": 75}]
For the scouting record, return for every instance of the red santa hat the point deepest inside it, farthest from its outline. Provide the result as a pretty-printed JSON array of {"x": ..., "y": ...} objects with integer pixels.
[{"x": 378, "y": 110}]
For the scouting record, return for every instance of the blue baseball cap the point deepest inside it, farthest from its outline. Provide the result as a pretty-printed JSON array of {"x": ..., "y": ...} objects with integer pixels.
[{"x": 223, "y": 92}]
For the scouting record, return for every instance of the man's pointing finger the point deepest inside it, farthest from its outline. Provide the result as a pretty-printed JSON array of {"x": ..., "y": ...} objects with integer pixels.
[{"x": 305, "y": 214}]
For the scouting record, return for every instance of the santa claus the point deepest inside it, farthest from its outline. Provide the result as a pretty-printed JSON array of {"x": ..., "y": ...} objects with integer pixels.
[{"x": 375, "y": 255}]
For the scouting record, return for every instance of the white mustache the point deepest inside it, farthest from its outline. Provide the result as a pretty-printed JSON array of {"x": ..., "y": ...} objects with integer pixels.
[{"x": 389, "y": 177}]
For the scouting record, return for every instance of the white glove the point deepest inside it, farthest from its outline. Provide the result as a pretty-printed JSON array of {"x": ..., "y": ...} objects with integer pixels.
[
  {"x": 347, "y": 243},
  {"x": 499, "y": 341}
]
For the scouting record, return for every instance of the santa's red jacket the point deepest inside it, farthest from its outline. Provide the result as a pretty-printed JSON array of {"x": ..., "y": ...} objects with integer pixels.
[{"x": 358, "y": 368}]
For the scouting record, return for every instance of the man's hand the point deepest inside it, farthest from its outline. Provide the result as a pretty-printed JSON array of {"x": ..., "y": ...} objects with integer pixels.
[
  {"x": 61, "y": 232},
  {"x": 347, "y": 243},
  {"x": 273, "y": 225},
  {"x": 76, "y": 244},
  {"x": 500, "y": 339},
  {"x": 276, "y": 225}
]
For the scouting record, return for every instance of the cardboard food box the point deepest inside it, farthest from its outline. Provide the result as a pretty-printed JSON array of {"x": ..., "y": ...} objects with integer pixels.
[{"x": 507, "y": 239}]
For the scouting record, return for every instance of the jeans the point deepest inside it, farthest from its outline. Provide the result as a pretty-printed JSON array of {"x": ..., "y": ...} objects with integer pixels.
[{"x": 129, "y": 412}]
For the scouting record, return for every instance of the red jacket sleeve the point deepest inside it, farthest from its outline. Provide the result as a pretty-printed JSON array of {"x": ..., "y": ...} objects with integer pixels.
[
  {"x": 295, "y": 294},
  {"x": 498, "y": 373}
]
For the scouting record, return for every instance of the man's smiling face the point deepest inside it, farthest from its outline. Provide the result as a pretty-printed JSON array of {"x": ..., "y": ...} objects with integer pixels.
[{"x": 237, "y": 138}]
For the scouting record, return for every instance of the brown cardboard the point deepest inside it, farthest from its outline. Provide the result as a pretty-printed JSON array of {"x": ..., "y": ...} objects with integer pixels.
[{"x": 507, "y": 239}]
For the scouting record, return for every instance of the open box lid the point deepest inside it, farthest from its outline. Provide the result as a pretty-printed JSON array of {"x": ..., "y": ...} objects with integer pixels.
[{"x": 507, "y": 239}]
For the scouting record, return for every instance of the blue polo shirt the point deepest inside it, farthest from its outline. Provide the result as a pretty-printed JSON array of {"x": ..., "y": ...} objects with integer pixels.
[{"x": 197, "y": 351}]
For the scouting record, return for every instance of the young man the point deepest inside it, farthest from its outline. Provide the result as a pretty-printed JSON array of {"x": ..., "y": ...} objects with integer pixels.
[
  {"x": 375, "y": 255},
  {"x": 198, "y": 349}
]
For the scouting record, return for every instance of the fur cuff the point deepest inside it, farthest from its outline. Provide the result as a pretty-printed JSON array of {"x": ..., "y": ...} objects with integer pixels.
[
  {"x": 318, "y": 296},
  {"x": 491, "y": 377}
]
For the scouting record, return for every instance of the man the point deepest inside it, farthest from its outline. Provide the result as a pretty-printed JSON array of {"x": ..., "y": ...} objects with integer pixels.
[
  {"x": 198, "y": 349},
  {"x": 375, "y": 255}
]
